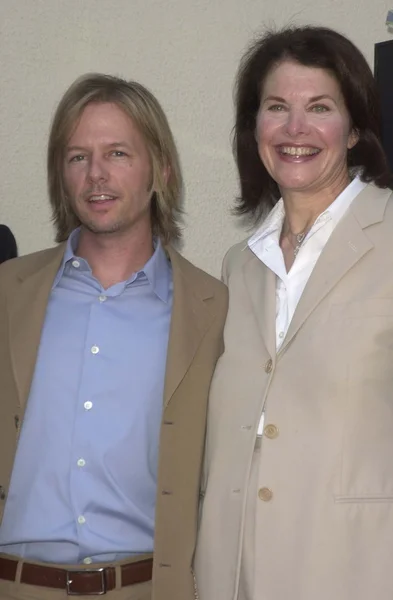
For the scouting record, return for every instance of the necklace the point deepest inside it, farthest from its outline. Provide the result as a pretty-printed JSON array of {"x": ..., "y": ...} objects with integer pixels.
[{"x": 299, "y": 241}]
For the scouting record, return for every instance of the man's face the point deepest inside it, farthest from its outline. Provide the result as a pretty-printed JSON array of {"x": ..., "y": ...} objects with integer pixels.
[{"x": 107, "y": 172}]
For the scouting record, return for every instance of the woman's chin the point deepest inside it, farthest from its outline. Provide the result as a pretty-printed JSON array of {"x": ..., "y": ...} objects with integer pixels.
[{"x": 297, "y": 185}]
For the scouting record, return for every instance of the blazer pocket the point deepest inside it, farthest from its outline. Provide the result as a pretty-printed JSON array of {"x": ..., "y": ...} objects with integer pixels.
[
  {"x": 366, "y": 335},
  {"x": 362, "y": 309},
  {"x": 363, "y": 499}
]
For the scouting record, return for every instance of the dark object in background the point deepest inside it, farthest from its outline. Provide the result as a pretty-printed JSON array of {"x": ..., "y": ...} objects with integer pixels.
[
  {"x": 383, "y": 71},
  {"x": 8, "y": 248}
]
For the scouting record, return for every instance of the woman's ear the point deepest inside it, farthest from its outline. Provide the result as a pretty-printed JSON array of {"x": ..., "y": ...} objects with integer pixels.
[{"x": 353, "y": 138}]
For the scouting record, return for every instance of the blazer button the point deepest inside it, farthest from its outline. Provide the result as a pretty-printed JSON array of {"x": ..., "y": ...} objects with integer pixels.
[
  {"x": 2, "y": 493},
  {"x": 269, "y": 366},
  {"x": 265, "y": 494},
  {"x": 271, "y": 431}
]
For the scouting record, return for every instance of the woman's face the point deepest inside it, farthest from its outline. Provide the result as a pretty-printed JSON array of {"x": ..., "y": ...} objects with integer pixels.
[{"x": 303, "y": 129}]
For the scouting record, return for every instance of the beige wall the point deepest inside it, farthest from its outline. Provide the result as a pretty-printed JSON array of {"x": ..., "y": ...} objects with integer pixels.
[{"x": 185, "y": 51}]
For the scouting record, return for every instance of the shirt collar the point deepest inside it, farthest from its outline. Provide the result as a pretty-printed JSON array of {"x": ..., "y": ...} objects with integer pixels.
[
  {"x": 157, "y": 270},
  {"x": 272, "y": 225},
  {"x": 341, "y": 204},
  {"x": 69, "y": 254}
]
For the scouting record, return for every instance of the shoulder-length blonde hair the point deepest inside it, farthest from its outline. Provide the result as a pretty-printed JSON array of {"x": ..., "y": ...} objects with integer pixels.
[{"x": 145, "y": 111}]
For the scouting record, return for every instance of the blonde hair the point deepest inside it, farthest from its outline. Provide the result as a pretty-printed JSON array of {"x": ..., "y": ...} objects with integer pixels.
[{"x": 145, "y": 111}]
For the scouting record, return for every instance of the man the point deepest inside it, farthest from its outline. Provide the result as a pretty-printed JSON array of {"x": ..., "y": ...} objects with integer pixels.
[{"x": 107, "y": 347}]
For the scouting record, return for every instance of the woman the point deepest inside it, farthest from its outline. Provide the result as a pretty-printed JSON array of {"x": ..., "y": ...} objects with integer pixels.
[
  {"x": 8, "y": 247},
  {"x": 298, "y": 502}
]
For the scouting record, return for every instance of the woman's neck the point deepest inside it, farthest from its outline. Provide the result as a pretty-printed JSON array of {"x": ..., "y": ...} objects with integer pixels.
[{"x": 302, "y": 209}]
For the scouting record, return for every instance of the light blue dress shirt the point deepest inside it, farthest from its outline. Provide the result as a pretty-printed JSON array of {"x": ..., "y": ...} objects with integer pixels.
[{"x": 83, "y": 486}]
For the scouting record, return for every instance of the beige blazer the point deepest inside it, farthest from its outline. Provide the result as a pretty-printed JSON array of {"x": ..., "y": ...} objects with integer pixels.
[
  {"x": 199, "y": 310},
  {"x": 323, "y": 494}
]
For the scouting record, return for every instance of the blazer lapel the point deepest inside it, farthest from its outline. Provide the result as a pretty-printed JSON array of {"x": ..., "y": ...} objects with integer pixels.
[
  {"x": 261, "y": 285},
  {"x": 344, "y": 249},
  {"x": 191, "y": 318},
  {"x": 26, "y": 317}
]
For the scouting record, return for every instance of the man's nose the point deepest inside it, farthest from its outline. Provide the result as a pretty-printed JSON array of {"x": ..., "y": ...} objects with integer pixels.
[{"x": 97, "y": 169}]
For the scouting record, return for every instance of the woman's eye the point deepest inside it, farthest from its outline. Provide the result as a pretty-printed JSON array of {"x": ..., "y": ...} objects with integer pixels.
[
  {"x": 319, "y": 108},
  {"x": 276, "y": 107},
  {"x": 118, "y": 153}
]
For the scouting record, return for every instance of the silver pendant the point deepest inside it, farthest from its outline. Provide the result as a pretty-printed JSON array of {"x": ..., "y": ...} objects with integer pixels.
[{"x": 299, "y": 240}]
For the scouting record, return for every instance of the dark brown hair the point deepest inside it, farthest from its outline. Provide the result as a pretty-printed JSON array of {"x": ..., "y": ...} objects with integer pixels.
[{"x": 312, "y": 47}]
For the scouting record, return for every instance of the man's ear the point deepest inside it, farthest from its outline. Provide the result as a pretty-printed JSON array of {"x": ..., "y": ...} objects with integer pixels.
[{"x": 166, "y": 173}]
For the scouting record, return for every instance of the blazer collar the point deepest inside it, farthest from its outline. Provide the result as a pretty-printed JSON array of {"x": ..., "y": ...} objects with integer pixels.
[
  {"x": 27, "y": 313},
  {"x": 191, "y": 316},
  {"x": 261, "y": 285},
  {"x": 346, "y": 246}
]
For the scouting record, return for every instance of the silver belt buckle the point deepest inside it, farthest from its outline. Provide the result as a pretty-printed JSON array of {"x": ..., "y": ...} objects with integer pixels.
[{"x": 70, "y": 580}]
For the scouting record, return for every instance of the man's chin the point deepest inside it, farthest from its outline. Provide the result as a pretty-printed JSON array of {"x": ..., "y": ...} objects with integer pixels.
[{"x": 102, "y": 228}]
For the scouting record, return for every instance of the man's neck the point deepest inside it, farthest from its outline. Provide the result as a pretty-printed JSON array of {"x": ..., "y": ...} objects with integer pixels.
[{"x": 113, "y": 257}]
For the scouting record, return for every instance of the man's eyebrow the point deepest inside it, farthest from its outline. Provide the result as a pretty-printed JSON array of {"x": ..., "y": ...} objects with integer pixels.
[
  {"x": 117, "y": 144},
  {"x": 110, "y": 145},
  {"x": 74, "y": 148}
]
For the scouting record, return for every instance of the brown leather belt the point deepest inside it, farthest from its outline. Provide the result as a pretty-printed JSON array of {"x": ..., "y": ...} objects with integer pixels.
[{"x": 76, "y": 583}]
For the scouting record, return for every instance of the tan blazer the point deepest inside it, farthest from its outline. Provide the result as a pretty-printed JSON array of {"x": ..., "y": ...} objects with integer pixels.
[
  {"x": 323, "y": 494},
  {"x": 199, "y": 310}
]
